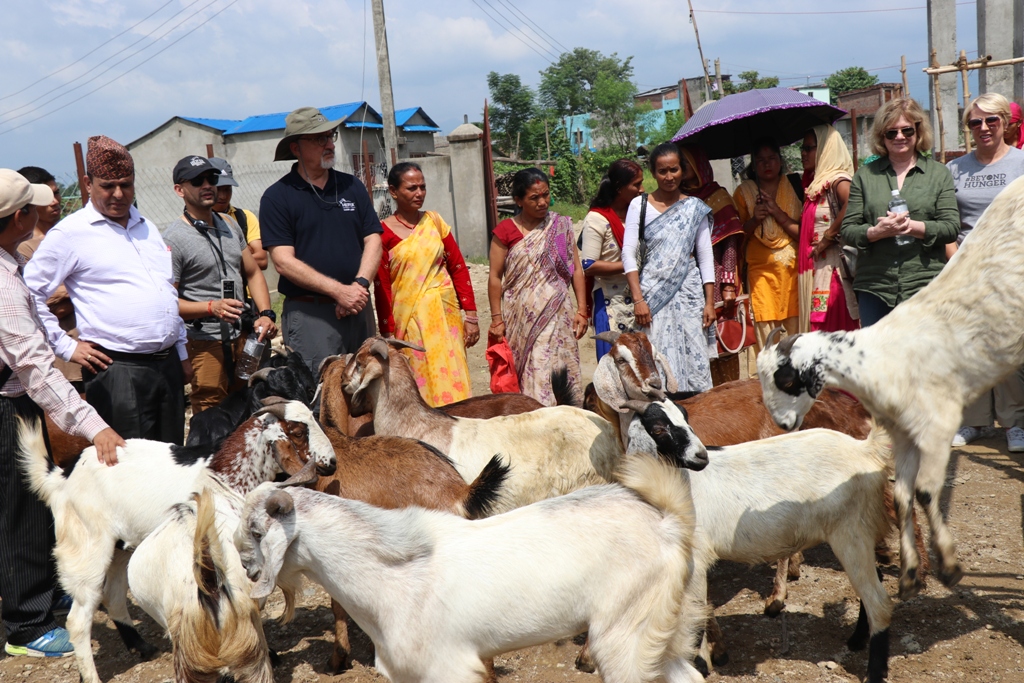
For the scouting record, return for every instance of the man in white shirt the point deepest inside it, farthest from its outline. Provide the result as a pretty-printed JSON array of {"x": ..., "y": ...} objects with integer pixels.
[{"x": 117, "y": 270}]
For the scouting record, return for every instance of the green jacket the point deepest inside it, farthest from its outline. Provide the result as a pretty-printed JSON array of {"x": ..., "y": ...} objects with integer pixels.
[{"x": 885, "y": 269}]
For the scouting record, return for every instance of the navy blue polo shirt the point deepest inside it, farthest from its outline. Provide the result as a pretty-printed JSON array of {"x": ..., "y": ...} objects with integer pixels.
[{"x": 326, "y": 227}]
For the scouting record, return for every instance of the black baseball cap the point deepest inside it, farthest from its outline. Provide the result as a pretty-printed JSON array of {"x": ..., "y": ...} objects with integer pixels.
[{"x": 192, "y": 167}]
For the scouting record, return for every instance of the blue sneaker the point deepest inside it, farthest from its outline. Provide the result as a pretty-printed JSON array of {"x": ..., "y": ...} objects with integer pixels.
[
  {"x": 54, "y": 643},
  {"x": 62, "y": 605}
]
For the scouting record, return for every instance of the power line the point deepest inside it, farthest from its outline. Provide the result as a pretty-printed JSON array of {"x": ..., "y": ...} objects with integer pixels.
[
  {"x": 507, "y": 28},
  {"x": 552, "y": 40},
  {"x": 93, "y": 68},
  {"x": 844, "y": 11},
  {"x": 125, "y": 73},
  {"x": 101, "y": 45},
  {"x": 512, "y": 23}
]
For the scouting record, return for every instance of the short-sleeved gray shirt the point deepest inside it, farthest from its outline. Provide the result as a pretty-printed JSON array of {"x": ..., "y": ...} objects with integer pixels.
[
  {"x": 977, "y": 185},
  {"x": 198, "y": 269}
]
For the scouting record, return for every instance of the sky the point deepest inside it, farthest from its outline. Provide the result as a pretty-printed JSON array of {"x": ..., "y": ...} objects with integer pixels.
[{"x": 234, "y": 58}]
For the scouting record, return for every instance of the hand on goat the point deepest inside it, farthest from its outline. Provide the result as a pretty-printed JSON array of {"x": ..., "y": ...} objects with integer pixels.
[{"x": 106, "y": 443}]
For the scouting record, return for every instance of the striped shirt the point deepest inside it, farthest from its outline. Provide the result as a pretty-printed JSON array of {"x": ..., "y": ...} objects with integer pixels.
[
  {"x": 119, "y": 280},
  {"x": 23, "y": 348}
]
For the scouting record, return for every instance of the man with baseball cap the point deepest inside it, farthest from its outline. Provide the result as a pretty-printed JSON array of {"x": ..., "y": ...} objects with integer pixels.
[
  {"x": 245, "y": 218},
  {"x": 323, "y": 235},
  {"x": 117, "y": 270},
  {"x": 30, "y": 385},
  {"x": 207, "y": 251}
]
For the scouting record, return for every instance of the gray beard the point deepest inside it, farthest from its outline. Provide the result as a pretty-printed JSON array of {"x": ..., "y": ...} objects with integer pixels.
[{"x": 328, "y": 164}]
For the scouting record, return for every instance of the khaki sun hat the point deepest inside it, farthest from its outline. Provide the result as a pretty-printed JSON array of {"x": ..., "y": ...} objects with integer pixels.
[
  {"x": 302, "y": 121},
  {"x": 17, "y": 193}
]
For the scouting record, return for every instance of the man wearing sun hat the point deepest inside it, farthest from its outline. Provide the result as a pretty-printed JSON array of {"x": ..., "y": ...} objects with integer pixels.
[
  {"x": 30, "y": 385},
  {"x": 117, "y": 270},
  {"x": 323, "y": 235}
]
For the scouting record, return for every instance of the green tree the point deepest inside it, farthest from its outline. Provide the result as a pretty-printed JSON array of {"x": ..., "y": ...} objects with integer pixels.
[
  {"x": 567, "y": 86},
  {"x": 850, "y": 78},
  {"x": 510, "y": 110},
  {"x": 615, "y": 112},
  {"x": 651, "y": 136},
  {"x": 750, "y": 80}
]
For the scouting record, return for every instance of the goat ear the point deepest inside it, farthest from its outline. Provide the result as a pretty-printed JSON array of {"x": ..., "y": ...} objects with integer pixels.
[
  {"x": 326, "y": 363},
  {"x": 608, "y": 385},
  {"x": 610, "y": 336},
  {"x": 400, "y": 344},
  {"x": 279, "y": 504},
  {"x": 667, "y": 378}
]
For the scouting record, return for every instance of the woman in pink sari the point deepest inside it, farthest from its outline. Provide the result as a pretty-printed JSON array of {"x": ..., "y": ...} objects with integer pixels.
[{"x": 534, "y": 266}]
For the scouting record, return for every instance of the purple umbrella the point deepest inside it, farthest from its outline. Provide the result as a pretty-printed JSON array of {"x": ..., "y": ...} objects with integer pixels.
[{"x": 728, "y": 127}]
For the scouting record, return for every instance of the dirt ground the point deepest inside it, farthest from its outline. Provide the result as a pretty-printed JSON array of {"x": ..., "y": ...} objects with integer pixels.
[{"x": 973, "y": 633}]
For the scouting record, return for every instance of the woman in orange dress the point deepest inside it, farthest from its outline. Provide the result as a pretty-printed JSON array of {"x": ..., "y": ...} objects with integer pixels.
[{"x": 424, "y": 290}]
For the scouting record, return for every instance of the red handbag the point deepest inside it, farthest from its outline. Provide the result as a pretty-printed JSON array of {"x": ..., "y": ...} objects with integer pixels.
[
  {"x": 502, "y": 366},
  {"x": 735, "y": 333}
]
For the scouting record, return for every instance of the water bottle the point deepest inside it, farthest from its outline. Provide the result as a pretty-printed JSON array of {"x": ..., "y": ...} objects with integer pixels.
[
  {"x": 899, "y": 205},
  {"x": 712, "y": 336},
  {"x": 252, "y": 352}
]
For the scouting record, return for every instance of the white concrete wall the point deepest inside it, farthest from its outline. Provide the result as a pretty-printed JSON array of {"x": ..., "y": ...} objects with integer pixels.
[
  {"x": 174, "y": 141},
  {"x": 437, "y": 172}
]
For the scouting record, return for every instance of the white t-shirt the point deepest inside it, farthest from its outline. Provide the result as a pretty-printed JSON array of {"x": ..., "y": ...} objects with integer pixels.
[{"x": 977, "y": 185}]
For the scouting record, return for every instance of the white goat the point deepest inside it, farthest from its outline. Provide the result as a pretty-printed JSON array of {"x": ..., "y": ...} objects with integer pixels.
[
  {"x": 551, "y": 451},
  {"x": 916, "y": 368},
  {"x": 187, "y": 575},
  {"x": 436, "y": 593},
  {"x": 99, "y": 512}
]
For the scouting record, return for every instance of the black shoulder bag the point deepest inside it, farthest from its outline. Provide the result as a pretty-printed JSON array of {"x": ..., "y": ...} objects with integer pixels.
[{"x": 641, "y": 242}]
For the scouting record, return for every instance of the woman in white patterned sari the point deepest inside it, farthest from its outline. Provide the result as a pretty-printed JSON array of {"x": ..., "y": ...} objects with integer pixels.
[{"x": 674, "y": 294}]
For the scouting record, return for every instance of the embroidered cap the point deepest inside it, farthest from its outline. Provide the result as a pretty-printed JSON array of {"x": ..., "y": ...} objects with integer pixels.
[{"x": 108, "y": 159}]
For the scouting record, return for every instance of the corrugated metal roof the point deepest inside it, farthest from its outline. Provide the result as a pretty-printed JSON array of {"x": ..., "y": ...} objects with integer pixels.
[
  {"x": 217, "y": 124},
  {"x": 421, "y": 129},
  {"x": 402, "y": 117},
  {"x": 276, "y": 121}
]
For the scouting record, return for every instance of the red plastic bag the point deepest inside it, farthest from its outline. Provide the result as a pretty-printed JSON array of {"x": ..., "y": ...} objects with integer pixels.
[{"x": 502, "y": 366}]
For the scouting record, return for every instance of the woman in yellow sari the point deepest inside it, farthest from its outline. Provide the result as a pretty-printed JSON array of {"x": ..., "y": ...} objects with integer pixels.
[
  {"x": 769, "y": 208},
  {"x": 423, "y": 284}
]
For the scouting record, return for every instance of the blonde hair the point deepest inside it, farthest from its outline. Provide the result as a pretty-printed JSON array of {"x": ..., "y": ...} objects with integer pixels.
[
  {"x": 990, "y": 103},
  {"x": 887, "y": 116}
]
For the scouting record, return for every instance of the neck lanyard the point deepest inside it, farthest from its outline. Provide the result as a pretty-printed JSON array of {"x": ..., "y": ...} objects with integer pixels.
[{"x": 204, "y": 229}]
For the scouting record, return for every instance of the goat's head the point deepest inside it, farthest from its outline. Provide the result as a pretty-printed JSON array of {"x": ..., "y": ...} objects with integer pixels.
[
  {"x": 661, "y": 427},
  {"x": 791, "y": 378},
  {"x": 633, "y": 369},
  {"x": 295, "y": 436},
  {"x": 369, "y": 366},
  {"x": 266, "y": 530}
]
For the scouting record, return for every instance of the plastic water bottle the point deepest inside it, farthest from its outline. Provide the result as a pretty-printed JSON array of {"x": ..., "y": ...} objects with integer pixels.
[
  {"x": 899, "y": 205},
  {"x": 252, "y": 352}
]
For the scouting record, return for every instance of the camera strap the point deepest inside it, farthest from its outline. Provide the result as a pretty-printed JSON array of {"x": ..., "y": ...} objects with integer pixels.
[{"x": 225, "y": 328}]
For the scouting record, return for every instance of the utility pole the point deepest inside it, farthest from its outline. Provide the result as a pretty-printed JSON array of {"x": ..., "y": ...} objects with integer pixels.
[
  {"x": 703, "y": 62},
  {"x": 718, "y": 77},
  {"x": 387, "y": 99}
]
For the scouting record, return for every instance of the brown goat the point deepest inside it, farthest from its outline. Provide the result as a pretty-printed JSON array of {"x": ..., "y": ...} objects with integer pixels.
[
  {"x": 394, "y": 472},
  {"x": 64, "y": 447},
  {"x": 335, "y": 403}
]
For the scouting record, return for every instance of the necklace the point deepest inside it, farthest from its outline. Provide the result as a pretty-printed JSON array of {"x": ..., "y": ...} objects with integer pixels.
[
  {"x": 399, "y": 219},
  {"x": 522, "y": 227}
]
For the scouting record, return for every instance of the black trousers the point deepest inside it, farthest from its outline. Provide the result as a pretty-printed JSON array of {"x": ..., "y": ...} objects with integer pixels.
[
  {"x": 27, "y": 569},
  {"x": 141, "y": 398}
]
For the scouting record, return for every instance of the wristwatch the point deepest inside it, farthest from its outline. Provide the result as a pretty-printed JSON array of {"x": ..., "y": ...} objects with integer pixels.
[
  {"x": 362, "y": 282},
  {"x": 268, "y": 314}
]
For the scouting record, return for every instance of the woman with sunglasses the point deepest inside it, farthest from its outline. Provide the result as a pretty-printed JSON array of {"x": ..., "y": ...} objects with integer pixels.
[
  {"x": 978, "y": 178},
  {"x": 890, "y": 271}
]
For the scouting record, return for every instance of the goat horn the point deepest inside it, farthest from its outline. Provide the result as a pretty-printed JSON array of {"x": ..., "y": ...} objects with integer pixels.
[
  {"x": 275, "y": 405},
  {"x": 286, "y": 350},
  {"x": 398, "y": 343},
  {"x": 260, "y": 375},
  {"x": 609, "y": 336},
  {"x": 771, "y": 336},
  {"x": 279, "y": 503},
  {"x": 635, "y": 406},
  {"x": 304, "y": 477},
  {"x": 323, "y": 365}
]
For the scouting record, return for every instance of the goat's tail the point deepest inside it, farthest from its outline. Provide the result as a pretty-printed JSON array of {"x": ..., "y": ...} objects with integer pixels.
[
  {"x": 35, "y": 461},
  {"x": 486, "y": 488},
  {"x": 223, "y": 627},
  {"x": 878, "y": 446},
  {"x": 661, "y": 485},
  {"x": 562, "y": 388}
]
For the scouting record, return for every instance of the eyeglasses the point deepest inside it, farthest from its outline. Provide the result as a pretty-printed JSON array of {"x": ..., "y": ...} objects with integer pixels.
[
  {"x": 322, "y": 139},
  {"x": 808, "y": 148},
  {"x": 990, "y": 121},
  {"x": 205, "y": 178},
  {"x": 908, "y": 132}
]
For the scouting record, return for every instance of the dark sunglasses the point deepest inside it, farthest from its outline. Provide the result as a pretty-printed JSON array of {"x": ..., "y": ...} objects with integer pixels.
[
  {"x": 207, "y": 178},
  {"x": 908, "y": 132},
  {"x": 990, "y": 121},
  {"x": 808, "y": 148}
]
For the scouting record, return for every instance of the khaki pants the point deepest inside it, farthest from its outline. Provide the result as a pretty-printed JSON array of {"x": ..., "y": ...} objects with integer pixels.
[
  {"x": 1004, "y": 402},
  {"x": 210, "y": 383}
]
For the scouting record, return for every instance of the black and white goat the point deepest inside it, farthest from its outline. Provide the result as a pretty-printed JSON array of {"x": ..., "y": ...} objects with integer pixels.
[
  {"x": 100, "y": 512},
  {"x": 916, "y": 368}
]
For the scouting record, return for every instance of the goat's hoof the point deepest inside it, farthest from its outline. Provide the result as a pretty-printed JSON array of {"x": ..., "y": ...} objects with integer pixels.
[
  {"x": 584, "y": 663},
  {"x": 340, "y": 663},
  {"x": 275, "y": 658},
  {"x": 793, "y": 573},
  {"x": 773, "y": 608},
  {"x": 146, "y": 651},
  {"x": 700, "y": 665},
  {"x": 910, "y": 586},
  {"x": 720, "y": 659},
  {"x": 858, "y": 641},
  {"x": 951, "y": 576}
]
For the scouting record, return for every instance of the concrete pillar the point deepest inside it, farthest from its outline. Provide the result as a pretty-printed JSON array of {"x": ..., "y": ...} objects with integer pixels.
[
  {"x": 1018, "y": 51},
  {"x": 996, "y": 37},
  {"x": 942, "y": 39},
  {"x": 467, "y": 155}
]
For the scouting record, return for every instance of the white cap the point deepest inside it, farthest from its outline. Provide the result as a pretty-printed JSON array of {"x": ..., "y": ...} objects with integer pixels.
[{"x": 17, "y": 193}]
